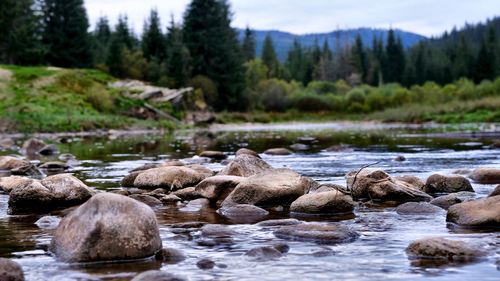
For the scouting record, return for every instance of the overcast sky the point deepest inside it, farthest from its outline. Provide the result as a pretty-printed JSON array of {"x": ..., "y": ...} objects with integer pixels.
[{"x": 426, "y": 17}]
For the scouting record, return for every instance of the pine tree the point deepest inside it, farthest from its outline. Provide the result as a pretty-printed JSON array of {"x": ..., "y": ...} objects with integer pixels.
[
  {"x": 324, "y": 69},
  {"x": 100, "y": 41},
  {"x": 358, "y": 58},
  {"x": 269, "y": 57},
  {"x": 215, "y": 50},
  {"x": 65, "y": 33},
  {"x": 153, "y": 40},
  {"x": 248, "y": 45},
  {"x": 122, "y": 40},
  {"x": 178, "y": 58},
  {"x": 395, "y": 59},
  {"x": 462, "y": 62},
  {"x": 296, "y": 63}
]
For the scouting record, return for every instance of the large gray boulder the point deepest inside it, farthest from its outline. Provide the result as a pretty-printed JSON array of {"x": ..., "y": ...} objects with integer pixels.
[
  {"x": 171, "y": 178},
  {"x": 108, "y": 227},
  {"x": 447, "y": 184},
  {"x": 9, "y": 183},
  {"x": 443, "y": 250},
  {"x": 378, "y": 185},
  {"x": 486, "y": 175},
  {"x": 10, "y": 270},
  {"x": 329, "y": 202},
  {"x": 217, "y": 187},
  {"x": 245, "y": 165},
  {"x": 477, "y": 213},
  {"x": 279, "y": 187}
]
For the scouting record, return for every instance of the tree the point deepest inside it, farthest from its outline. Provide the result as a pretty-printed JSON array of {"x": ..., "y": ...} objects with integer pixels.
[
  {"x": 178, "y": 67},
  {"x": 248, "y": 45},
  {"x": 19, "y": 29},
  {"x": 486, "y": 59},
  {"x": 358, "y": 58},
  {"x": 395, "y": 59},
  {"x": 122, "y": 40},
  {"x": 153, "y": 40},
  {"x": 269, "y": 57},
  {"x": 65, "y": 33},
  {"x": 324, "y": 68},
  {"x": 100, "y": 41},
  {"x": 215, "y": 50}
]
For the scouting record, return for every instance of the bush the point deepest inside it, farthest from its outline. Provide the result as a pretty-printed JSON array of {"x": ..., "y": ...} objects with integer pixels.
[
  {"x": 311, "y": 102},
  {"x": 208, "y": 88},
  {"x": 274, "y": 94},
  {"x": 322, "y": 87}
]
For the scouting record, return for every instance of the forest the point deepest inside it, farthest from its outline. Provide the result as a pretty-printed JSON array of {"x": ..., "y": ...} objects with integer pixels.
[{"x": 438, "y": 79}]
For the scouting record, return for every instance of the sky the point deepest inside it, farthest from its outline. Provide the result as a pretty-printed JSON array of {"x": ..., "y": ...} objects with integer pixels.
[{"x": 425, "y": 17}]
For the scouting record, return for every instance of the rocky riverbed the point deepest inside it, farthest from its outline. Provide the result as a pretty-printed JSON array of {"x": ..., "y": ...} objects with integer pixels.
[{"x": 320, "y": 202}]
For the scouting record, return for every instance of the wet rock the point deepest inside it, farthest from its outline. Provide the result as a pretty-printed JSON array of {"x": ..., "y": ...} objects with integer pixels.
[
  {"x": 444, "y": 250},
  {"x": 145, "y": 167},
  {"x": 378, "y": 185},
  {"x": 417, "y": 208},
  {"x": 247, "y": 151},
  {"x": 216, "y": 155},
  {"x": 67, "y": 157},
  {"x": 326, "y": 188},
  {"x": 245, "y": 165},
  {"x": 133, "y": 191},
  {"x": 264, "y": 253},
  {"x": 158, "y": 193},
  {"x": 32, "y": 146},
  {"x": 243, "y": 211},
  {"x": 400, "y": 158},
  {"x": 107, "y": 227},
  {"x": 463, "y": 172},
  {"x": 191, "y": 224},
  {"x": 412, "y": 180},
  {"x": 54, "y": 166},
  {"x": 329, "y": 202},
  {"x": 10, "y": 270},
  {"x": 146, "y": 199},
  {"x": 205, "y": 264},
  {"x": 217, "y": 187},
  {"x": 53, "y": 192},
  {"x": 278, "y": 151},
  {"x": 307, "y": 140},
  {"x": 188, "y": 193},
  {"x": 206, "y": 172},
  {"x": 446, "y": 201},
  {"x": 171, "y": 178},
  {"x": 279, "y": 222},
  {"x": 282, "y": 248},
  {"x": 318, "y": 233},
  {"x": 216, "y": 231},
  {"x": 48, "y": 150},
  {"x": 170, "y": 199},
  {"x": 128, "y": 180},
  {"x": 447, "y": 184},
  {"x": 157, "y": 275},
  {"x": 170, "y": 255},
  {"x": 478, "y": 213},
  {"x": 271, "y": 188},
  {"x": 8, "y": 163},
  {"x": 300, "y": 146},
  {"x": 339, "y": 148},
  {"x": 27, "y": 170},
  {"x": 495, "y": 192},
  {"x": 48, "y": 222},
  {"x": 486, "y": 175},
  {"x": 196, "y": 205},
  {"x": 9, "y": 183},
  {"x": 173, "y": 163}
]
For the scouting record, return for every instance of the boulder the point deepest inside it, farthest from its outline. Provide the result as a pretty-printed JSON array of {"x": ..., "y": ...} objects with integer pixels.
[
  {"x": 278, "y": 222},
  {"x": 147, "y": 199},
  {"x": 9, "y": 183},
  {"x": 329, "y": 202},
  {"x": 271, "y": 188},
  {"x": 8, "y": 163},
  {"x": 444, "y": 250},
  {"x": 170, "y": 199},
  {"x": 10, "y": 270},
  {"x": 145, "y": 167},
  {"x": 318, "y": 233},
  {"x": 486, "y": 175},
  {"x": 264, "y": 253},
  {"x": 446, "y": 201},
  {"x": 54, "y": 166},
  {"x": 245, "y": 165},
  {"x": 36, "y": 146},
  {"x": 108, "y": 227},
  {"x": 188, "y": 193},
  {"x": 170, "y": 256},
  {"x": 495, "y": 192},
  {"x": 478, "y": 213},
  {"x": 205, "y": 264},
  {"x": 300, "y": 147},
  {"x": 278, "y": 151},
  {"x": 417, "y": 208},
  {"x": 247, "y": 151},
  {"x": 326, "y": 188},
  {"x": 63, "y": 190},
  {"x": 412, "y": 180},
  {"x": 243, "y": 211},
  {"x": 399, "y": 158},
  {"x": 217, "y": 187},
  {"x": 447, "y": 184},
  {"x": 48, "y": 222},
  {"x": 216, "y": 155},
  {"x": 157, "y": 275},
  {"x": 171, "y": 178},
  {"x": 173, "y": 163},
  {"x": 128, "y": 180},
  {"x": 206, "y": 172},
  {"x": 378, "y": 185},
  {"x": 216, "y": 231},
  {"x": 7, "y": 143},
  {"x": 27, "y": 170}
]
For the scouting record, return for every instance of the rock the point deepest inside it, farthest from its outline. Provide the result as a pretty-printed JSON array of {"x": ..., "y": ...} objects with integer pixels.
[
  {"x": 54, "y": 166},
  {"x": 48, "y": 222},
  {"x": 444, "y": 250},
  {"x": 217, "y": 187},
  {"x": 478, "y": 213},
  {"x": 170, "y": 199},
  {"x": 145, "y": 167},
  {"x": 486, "y": 175},
  {"x": 271, "y": 188},
  {"x": 10, "y": 270},
  {"x": 171, "y": 178},
  {"x": 8, "y": 163},
  {"x": 170, "y": 256},
  {"x": 247, "y": 151},
  {"x": 48, "y": 150},
  {"x": 278, "y": 151},
  {"x": 205, "y": 264},
  {"x": 242, "y": 211},
  {"x": 378, "y": 185},
  {"x": 201, "y": 169},
  {"x": 417, "y": 208},
  {"x": 279, "y": 222},
  {"x": 67, "y": 157},
  {"x": 157, "y": 275},
  {"x": 123, "y": 192},
  {"x": 282, "y": 248},
  {"x": 447, "y": 184},
  {"x": 6, "y": 143},
  {"x": 27, "y": 170},
  {"x": 326, "y": 188},
  {"x": 200, "y": 118},
  {"x": 158, "y": 193},
  {"x": 318, "y": 233},
  {"x": 446, "y": 201},
  {"x": 146, "y": 199},
  {"x": 400, "y": 158},
  {"x": 495, "y": 192},
  {"x": 63, "y": 190},
  {"x": 133, "y": 191},
  {"x": 412, "y": 180},
  {"x": 245, "y": 165},
  {"x": 300, "y": 146},
  {"x": 32, "y": 146},
  {"x": 108, "y": 227},
  {"x": 196, "y": 205},
  {"x": 463, "y": 172},
  {"x": 217, "y": 231},
  {"x": 9, "y": 183},
  {"x": 128, "y": 180},
  {"x": 188, "y": 193},
  {"x": 216, "y": 155},
  {"x": 264, "y": 253},
  {"x": 173, "y": 163},
  {"x": 329, "y": 202},
  {"x": 339, "y": 148}
]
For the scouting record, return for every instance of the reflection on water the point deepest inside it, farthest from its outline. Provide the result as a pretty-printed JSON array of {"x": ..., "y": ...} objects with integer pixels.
[{"x": 378, "y": 254}]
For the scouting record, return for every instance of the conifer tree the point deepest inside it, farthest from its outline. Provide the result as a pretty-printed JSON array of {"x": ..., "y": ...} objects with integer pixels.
[
  {"x": 395, "y": 59},
  {"x": 269, "y": 57},
  {"x": 153, "y": 40},
  {"x": 358, "y": 58},
  {"x": 178, "y": 67},
  {"x": 248, "y": 45},
  {"x": 101, "y": 38}
]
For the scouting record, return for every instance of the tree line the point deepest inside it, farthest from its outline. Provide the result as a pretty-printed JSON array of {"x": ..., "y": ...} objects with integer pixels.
[{"x": 204, "y": 51}]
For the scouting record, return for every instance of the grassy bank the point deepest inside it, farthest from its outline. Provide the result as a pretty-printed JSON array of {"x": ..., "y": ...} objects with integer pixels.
[{"x": 40, "y": 99}]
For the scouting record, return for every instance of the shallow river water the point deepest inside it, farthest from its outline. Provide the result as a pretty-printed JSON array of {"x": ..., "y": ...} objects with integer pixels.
[{"x": 379, "y": 253}]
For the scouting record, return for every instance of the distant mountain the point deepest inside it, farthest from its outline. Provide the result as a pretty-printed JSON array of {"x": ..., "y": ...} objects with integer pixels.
[{"x": 284, "y": 40}]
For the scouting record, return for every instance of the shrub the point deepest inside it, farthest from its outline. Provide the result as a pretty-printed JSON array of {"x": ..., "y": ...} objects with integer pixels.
[
  {"x": 322, "y": 87},
  {"x": 274, "y": 94},
  {"x": 311, "y": 102},
  {"x": 208, "y": 88}
]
